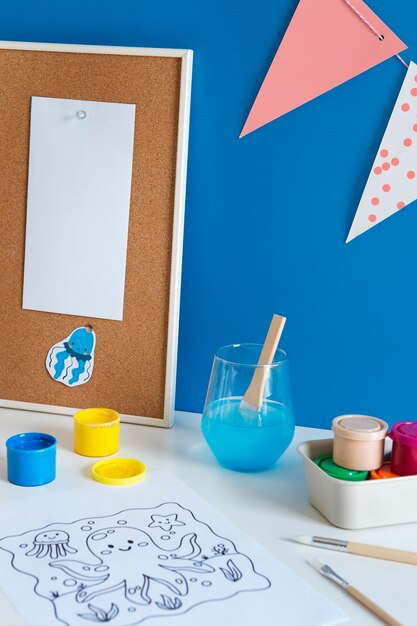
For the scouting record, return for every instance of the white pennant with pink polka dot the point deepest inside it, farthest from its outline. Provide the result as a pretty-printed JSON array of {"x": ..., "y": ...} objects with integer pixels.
[{"x": 392, "y": 183}]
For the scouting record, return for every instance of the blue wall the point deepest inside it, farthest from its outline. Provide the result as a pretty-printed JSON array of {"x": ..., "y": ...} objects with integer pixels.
[{"x": 267, "y": 215}]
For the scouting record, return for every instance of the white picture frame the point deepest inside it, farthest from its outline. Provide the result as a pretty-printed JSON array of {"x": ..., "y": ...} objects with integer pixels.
[{"x": 186, "y": 57}]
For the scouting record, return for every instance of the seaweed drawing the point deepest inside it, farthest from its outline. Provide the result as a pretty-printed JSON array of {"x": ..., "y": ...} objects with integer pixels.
[
  {"x": 231, "y": 572},
  {"x": 131, "y": 566},
  {"x": 100, "y": 615},
  {"x": 168, "y": 603}
]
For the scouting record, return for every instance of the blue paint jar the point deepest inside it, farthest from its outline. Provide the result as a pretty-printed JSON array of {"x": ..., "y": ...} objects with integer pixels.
[{"x": 31, "y": 459}]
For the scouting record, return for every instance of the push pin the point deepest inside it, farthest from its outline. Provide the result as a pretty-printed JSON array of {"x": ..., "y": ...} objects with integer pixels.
[{"x": 81, "y": 115}]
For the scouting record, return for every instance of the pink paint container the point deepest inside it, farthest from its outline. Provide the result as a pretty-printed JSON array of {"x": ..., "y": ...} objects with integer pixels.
[
  {"x": 359, "y": 441},
  {"x": 404, "y": 448}
]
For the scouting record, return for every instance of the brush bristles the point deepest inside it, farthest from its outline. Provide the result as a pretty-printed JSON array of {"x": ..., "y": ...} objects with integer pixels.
[
  {"x": 316, "y": 564},
  {"x": 248, "y": 406},
  {"x": 303, "y": 539}
]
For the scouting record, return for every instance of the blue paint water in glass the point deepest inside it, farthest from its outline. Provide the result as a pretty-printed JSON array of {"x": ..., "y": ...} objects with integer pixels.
[{"x": 245, "y": 440}]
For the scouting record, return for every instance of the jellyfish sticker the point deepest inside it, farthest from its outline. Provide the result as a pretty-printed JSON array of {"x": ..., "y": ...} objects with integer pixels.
[{"x": 71, "y": 360}]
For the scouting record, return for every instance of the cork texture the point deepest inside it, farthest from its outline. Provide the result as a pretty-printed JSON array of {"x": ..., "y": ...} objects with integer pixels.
[{"x": 130, "y": 356}]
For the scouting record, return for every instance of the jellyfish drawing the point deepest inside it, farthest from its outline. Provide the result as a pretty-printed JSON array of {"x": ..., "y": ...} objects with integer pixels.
[
  {"x": 54, "y": 543},
  {"x": 71, "y": 360}
]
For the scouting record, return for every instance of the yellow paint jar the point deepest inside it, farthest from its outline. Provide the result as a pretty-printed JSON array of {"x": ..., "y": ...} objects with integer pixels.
[{"x": 96, "y": 432}]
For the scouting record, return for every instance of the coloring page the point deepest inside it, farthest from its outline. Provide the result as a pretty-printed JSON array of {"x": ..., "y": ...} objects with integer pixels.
[{"x": 170, "y": 559}]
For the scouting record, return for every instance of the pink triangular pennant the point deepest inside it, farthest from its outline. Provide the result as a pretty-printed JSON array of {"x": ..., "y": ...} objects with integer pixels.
[
  {"x": 326, "y": 44},
  {"x": 392, "y": 183}
]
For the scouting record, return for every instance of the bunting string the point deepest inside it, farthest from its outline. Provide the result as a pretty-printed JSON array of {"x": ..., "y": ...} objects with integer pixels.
[{"x": 369, "y": 25}]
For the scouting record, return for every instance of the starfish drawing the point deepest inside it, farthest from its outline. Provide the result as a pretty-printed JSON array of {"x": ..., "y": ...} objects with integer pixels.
[{"x": 165, "y": 522}]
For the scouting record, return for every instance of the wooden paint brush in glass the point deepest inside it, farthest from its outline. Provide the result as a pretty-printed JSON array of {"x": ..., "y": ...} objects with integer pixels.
[{"x": 254, "y": 395}]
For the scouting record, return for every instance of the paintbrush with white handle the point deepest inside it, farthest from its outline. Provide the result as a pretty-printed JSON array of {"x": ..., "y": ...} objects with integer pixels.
[
  {"x": 253, "y": 398},
  {"x": 327, "y": 571},
  {"x": 362, "y": 549}
]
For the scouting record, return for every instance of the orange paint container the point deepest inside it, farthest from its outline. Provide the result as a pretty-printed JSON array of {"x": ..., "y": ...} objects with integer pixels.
[
  {"x": 383, "y": 472},
  {"x": 359, "y": 442}
]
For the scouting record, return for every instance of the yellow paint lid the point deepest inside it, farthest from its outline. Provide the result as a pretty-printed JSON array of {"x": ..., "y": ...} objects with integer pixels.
[{"x": 119, "y": 471}]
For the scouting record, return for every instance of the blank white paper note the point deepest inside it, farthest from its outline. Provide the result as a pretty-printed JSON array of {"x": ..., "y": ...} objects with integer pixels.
[{"x": 80, "y": 169}]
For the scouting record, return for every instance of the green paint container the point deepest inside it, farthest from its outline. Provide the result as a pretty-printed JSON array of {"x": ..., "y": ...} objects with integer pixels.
[{"x": 327, "y": 464}]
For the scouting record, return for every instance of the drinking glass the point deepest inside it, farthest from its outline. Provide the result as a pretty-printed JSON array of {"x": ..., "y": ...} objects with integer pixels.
[{"x": 240, "y": 438}]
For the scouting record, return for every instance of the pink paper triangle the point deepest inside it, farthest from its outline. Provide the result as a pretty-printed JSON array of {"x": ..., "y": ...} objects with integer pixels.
[{"x": 325, "y": 45}]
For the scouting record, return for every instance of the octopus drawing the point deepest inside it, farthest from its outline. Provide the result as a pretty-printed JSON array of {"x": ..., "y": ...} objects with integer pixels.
[
  {"x": 71, "y": 360},
  {"x": 121, "y": 552},
  {"x": 53, "y": 544}
]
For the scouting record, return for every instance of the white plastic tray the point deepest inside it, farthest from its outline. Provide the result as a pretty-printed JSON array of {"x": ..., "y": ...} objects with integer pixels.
[{"x": 354, "y": 505}]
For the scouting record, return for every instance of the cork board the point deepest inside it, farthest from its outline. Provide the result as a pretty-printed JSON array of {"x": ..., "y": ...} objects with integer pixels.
[{"x": 134, "y": 369}]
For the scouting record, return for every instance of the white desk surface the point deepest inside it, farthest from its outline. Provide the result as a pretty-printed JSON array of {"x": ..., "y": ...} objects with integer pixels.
[{"x": 271, "y": 506}]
